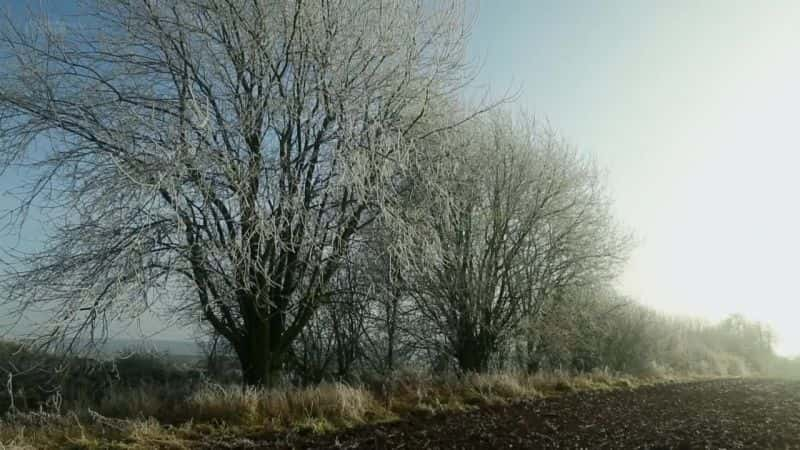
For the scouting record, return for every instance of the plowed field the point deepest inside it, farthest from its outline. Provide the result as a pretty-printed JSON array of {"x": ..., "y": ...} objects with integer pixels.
[{"x": 730, "y": 414}]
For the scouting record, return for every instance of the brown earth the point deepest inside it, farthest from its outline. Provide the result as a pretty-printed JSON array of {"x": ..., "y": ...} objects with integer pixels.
[{"x": 730, "y": 414}]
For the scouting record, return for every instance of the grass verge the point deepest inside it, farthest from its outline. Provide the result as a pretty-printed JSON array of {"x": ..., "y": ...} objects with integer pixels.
[{"x": 141, "y": 419}]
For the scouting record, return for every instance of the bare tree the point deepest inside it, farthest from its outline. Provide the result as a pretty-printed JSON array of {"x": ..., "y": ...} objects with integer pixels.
[
  {"x": 529, "y": 217},
  {"x": 363, "y": 329},
  {"x": 387, "y": 342},
  {"x": 386, "y": 307},
  {"x": 330, "y": 346},
  {"x": 219, "y": 155},
  {"x": 591, "y": 327}
]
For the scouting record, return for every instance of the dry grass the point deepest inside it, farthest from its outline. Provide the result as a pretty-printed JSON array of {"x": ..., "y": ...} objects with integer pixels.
[
  {"x": 33, "y": 431},
  {"x": 139, "y": 401},
  {"x": 140, "y": 419},
  {"x": 334, "y": 403}
]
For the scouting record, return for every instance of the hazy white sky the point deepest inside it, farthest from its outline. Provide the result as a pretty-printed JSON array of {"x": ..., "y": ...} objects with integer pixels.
[{"x": 693, "y": 107}]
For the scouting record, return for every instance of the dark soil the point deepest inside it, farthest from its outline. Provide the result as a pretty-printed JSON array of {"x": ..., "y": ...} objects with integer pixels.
[{"x": 730, "y": 414}]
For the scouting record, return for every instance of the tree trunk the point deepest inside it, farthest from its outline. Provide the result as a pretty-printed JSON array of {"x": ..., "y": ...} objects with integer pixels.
[
  {"x": 472, "y": 361},
  {"x": 473, "y": 354},
  {"x": 260, "y": 369},
  {"x": 260, "y": 353}
]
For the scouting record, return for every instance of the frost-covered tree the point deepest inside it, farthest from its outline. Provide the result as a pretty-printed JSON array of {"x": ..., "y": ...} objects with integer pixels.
[
  {"x": 220, "y": 155},
  {"x": 528, "y": 216}
]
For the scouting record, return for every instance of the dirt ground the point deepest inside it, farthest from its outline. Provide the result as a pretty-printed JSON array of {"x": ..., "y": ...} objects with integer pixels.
[{"x": 730, "y": 414}]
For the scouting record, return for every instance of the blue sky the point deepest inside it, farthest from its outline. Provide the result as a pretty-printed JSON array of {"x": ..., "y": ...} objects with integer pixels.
[{"x": 691, "y": 108}]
